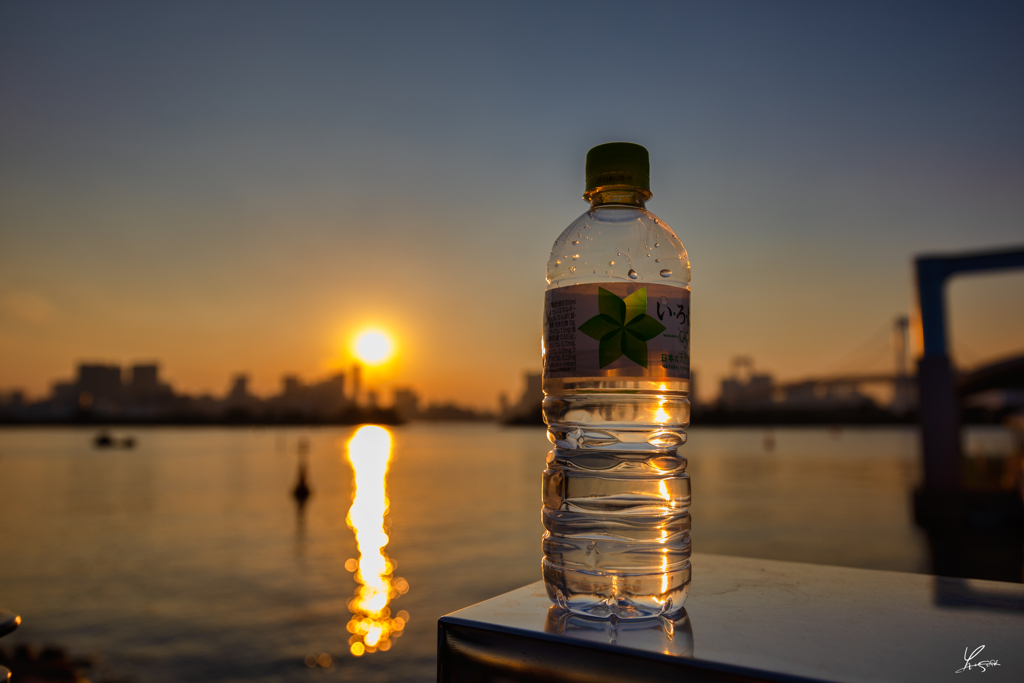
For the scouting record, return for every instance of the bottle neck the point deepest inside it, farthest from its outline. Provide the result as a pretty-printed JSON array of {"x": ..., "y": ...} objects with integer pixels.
[{"x": 617, "y": 195}]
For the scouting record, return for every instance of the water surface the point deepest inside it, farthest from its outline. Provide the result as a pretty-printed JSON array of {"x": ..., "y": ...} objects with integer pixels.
[{"x": 187, "y": 559}]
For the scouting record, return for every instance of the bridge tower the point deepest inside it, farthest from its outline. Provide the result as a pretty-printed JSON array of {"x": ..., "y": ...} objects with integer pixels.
[{"x": 903, "y": 390}]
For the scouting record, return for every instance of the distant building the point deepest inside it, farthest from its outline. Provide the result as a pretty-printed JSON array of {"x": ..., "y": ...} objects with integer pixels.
[
  {"x": 329, "y": 395},
  {"x": 239, "y": 401},
  {"x": 748, "y": 390},
  {"x": 531, "y": 399},
  {"x": 322, "y": 400},
  {"x": 14, "y": 406},
  {"x": 754, "y": 392},
  {"x": 813, "y": 395},
  {"x": 291, "y": 386},
  {"x": 64, "y": 397},
  {"x": 239, "y": 388},
  {"x": 293, "y": 397},
  {"x": 145, "y": 380},
  {"x": 145, "y": 396},
  {"x": 452, "y": 412},
  {"x": 534, "y": 391},
  {"x": 356, "y": 379},
  {"x": 204, "y": 406},
  {"x": 99, "y": 387},
  {"x": 407, "y": 403}
]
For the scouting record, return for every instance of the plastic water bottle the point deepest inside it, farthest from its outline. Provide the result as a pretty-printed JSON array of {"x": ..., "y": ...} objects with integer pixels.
[{"x": 616, "y": 379}]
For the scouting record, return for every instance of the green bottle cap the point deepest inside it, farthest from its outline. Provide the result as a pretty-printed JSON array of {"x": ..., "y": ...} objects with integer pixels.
[{"x": 619, "y": 163}]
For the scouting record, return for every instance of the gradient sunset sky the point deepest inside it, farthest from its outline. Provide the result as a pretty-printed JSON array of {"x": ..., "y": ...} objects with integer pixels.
[{"x": 242, "y": 186}]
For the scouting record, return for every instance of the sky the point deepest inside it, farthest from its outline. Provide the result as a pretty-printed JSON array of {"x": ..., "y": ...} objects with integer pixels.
[{"x": 243, "y": 186}]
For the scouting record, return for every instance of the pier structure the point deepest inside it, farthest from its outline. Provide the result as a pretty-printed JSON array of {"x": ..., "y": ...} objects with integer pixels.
[{"x": 942, "y": 497}]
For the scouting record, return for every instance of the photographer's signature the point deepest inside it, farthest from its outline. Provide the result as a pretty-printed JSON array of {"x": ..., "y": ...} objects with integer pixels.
[{"x": 983, "y": 664}]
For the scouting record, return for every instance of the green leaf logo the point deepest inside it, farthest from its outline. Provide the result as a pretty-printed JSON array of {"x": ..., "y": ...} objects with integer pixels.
[{"x": 622, "y": 326}]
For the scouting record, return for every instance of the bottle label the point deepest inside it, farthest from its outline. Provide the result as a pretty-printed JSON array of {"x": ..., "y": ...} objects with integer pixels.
[{"x": 617, "y": 329}]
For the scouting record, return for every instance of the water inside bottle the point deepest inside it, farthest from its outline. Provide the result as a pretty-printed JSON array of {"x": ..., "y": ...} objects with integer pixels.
[{"x": 616, "y": 497}]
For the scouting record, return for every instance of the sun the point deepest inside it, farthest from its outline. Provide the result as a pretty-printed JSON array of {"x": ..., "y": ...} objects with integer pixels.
[{"x": 373, "y": 347}]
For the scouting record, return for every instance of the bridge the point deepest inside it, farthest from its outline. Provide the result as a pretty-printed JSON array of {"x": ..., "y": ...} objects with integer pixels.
[
  {"x": 761, "y": 392},
  {"x": 1006, "y": 373}
]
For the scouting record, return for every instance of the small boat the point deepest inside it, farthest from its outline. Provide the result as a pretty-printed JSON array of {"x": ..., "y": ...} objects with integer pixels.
[{"x": 105, "y": 440}]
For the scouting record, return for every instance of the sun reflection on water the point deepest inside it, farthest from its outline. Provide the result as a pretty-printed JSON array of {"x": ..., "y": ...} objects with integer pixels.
[{"x": 372, "y": 626}]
